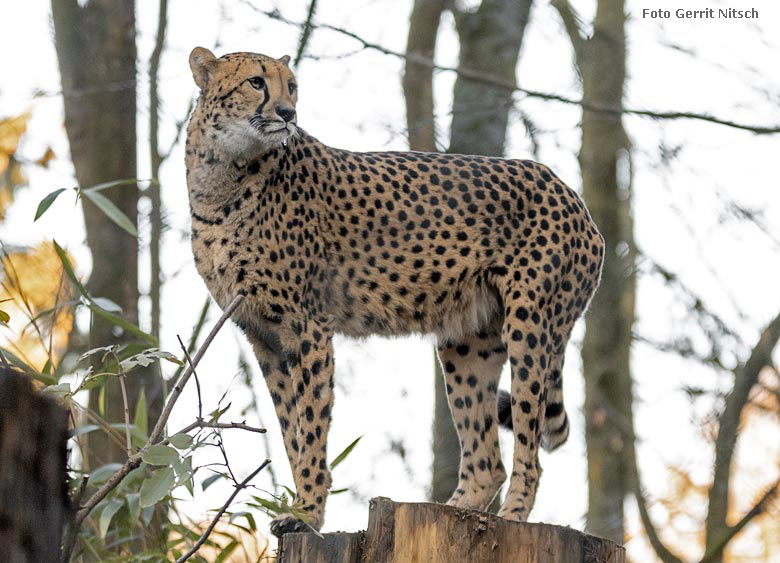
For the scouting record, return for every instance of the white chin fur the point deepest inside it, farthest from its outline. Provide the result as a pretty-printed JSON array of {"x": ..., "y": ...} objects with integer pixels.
[{"x": 245, "y": 141}]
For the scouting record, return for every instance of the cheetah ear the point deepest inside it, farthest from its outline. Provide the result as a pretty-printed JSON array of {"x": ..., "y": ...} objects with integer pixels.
[
  {"x": 203, "y": 64},
  {"x": 286, "y": 60}
]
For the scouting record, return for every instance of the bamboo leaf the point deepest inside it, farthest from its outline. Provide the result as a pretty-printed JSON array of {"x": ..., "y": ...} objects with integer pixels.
[
  {"x": 342, "y": 456},
  {"x": 208, "y": 481},
  {"x": 111, "y": 210},
  {"x": 46, "y": 202},
  {"x": 140, "y": 413}
]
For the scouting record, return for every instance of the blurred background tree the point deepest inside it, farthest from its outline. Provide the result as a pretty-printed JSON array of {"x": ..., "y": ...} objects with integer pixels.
[{"x": 718, "y": 509}]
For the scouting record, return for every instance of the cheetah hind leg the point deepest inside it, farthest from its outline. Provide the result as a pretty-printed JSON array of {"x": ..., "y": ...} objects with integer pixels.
[
  {"x": 555, "y": 425},
  {"x": 471, "y": 369}
]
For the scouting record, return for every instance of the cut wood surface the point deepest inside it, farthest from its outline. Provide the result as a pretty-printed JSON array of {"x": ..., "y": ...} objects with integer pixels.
[
  {"x": 33, "y": 499},
  {"x": 435, "y": 533}
]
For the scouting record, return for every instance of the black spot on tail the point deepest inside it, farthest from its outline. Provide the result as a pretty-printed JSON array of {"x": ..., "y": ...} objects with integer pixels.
[{"x": 504, "y": 410}]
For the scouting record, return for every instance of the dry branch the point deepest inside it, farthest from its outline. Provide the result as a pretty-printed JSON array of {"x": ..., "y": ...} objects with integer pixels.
[
  {"x": 486, "y": 78},
  {"x": 202, "y": 539}
]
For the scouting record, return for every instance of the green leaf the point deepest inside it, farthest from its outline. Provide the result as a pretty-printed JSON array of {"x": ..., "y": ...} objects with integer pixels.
[
  {"x": 103, "y": 472},
  {"x": 270, "y": 506},
  {"x": 111, "y": 210},
  {"x": 337, "y": 491},
  {"x": 181, "y": 441},
  {"x": 208, "y": 481},
  {"x": 226, "y": 551},
  {"x": 120, "y": 322},
  {"x": 106, "y": 304},
  {"x": 147, "y": 357},
  {"x": 160, "y": 454},
  {"x": 111, "y": 184},
  {"x": 46, "y": 202},
  {"x": 183, "y": 470},
  {"x": 157, "y": 487},
  {"x": 58, "y": 391},
  {"x": 4, "y": 317},
  {"x": 140, "y": 413},
  {"x": 139, "y": 438},
  {"x": 107, "y": 515},
  {"x": 69, "y": 269},
  {"x": 345, "y": 453},
  {"x": 105, "y": 350},
  {"x": 86, "y": 429},
  {"x": 133, "y": 506},
  {"x": 93, "y": 381}
]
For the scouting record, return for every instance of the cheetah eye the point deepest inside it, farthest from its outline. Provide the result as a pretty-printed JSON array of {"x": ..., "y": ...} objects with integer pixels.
[
  {"x": 292, "y": 86},
  {"x": 257, "y": 82}
]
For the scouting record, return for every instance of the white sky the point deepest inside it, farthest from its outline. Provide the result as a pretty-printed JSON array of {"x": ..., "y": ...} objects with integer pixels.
[{"x": 384, "y": 387}]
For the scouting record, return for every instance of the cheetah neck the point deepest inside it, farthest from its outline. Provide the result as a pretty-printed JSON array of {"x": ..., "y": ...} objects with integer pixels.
[{"x": 215, "y": 177}]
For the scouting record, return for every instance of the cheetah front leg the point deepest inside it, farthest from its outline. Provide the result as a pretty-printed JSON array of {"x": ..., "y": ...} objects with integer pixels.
[
  {"x": 472, "y": 368},
  {"x": 311, "y": 387}
]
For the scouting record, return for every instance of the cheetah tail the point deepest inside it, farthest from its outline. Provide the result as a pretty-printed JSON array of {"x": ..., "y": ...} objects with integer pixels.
[{"x": 555, "y": 428}]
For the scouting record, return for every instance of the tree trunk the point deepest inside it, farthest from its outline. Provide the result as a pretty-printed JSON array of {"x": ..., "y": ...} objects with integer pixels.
[
  {"x": 490, "y": 40},
  {"x": 402, "y": 532},
  {"x": 96, "y": 51},
  {"x": 606, "y": 185},
  {"x": 33, "y": 455}
]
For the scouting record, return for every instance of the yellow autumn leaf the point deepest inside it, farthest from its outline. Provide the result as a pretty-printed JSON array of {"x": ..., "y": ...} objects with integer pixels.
[
  {"x": 47, "y": 157},
  {"x": 11, "y": 131},
  {"x": 31, "y": 283}
]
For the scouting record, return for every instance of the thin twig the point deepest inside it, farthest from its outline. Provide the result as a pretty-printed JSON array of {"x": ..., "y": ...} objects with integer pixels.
[
  {"x": 121, "y": 374},
  {"x": 128, "y": 440},
  {"x": 221, "y": 425},
  {"x": 305, "y": 32},
  {"x": 156, "y": 435},
  {"x": 202, "y": 539},
  {"x": 70, "y": 538},
  {"x": 195, "y": 375},
  {"x": 487, "y": 78}
]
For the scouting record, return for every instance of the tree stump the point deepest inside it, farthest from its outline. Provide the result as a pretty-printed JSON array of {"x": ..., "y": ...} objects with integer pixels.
[
  {"x": 33, "y": 490},
  {"x": 436, "y": 533}
]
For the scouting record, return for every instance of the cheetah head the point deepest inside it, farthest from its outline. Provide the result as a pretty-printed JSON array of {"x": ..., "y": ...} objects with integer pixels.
[{"x": 247, "y": 99}]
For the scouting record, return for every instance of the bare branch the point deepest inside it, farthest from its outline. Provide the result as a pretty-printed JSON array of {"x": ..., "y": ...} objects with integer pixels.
[
  {"x": 202, "y": 539},
  {"x": 757, "y": 509},
  {"x": 658, "y": 546},
  {"x": 486, "y": 78},
  {"x": 728, "y": 430},
  {"x": 573, "y": 25},
  {"x": 221, "y": 425},
  {"x": 195, "y": 375},
  {"x": 305, "y": 32},
  {"x": 135, "y": 460}
]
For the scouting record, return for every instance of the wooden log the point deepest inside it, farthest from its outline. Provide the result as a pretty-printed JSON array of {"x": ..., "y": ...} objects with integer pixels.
[
  {"x": 336, "y": 547},
  {"x": 33, "y": 455},
  {"x": 435, "y": 533}
]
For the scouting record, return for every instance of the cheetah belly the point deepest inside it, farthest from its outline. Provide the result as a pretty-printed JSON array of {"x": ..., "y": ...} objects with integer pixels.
[{"x": 450, "y": 309}]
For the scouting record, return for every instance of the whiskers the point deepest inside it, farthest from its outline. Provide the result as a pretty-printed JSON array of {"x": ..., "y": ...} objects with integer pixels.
[{"x": 273, "y": 131}]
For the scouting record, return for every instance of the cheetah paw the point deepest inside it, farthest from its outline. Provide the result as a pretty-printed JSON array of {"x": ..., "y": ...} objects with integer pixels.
[{"x": 288, "y": 524}]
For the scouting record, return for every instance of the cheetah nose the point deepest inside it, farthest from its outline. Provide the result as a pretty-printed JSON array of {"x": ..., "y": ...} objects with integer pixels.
[{"x": 288, "y": 114}]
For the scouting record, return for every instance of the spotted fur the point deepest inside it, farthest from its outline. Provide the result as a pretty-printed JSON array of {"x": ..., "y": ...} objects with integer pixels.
[{"x": 497, "y": 258}]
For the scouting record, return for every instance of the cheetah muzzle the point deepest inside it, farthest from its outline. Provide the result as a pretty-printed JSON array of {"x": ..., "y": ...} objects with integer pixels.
[{"x": 497, "y": 258}]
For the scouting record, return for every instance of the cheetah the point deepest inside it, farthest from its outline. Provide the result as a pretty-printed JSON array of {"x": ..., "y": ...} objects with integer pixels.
[{"x": 496, "y": 258}]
